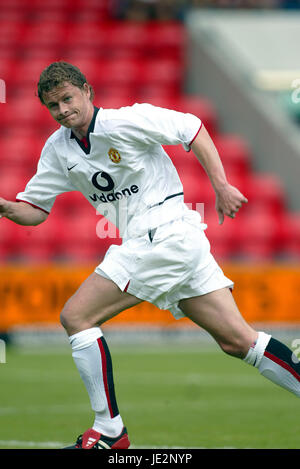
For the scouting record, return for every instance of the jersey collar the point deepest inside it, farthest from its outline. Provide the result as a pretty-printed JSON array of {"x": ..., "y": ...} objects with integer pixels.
[{"x": 85, "y": 143}]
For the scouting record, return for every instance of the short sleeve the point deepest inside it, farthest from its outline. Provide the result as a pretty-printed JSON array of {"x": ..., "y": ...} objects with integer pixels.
[
  {"x": 147, "y": 124},
  {"x": 48, "y": 182}
]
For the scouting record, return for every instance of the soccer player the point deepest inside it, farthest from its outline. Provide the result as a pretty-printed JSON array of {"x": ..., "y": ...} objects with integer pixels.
[{"x": 114, "y": 157}]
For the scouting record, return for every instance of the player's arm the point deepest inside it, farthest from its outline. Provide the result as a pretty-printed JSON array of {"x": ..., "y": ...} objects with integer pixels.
[
  {"x": 228, "y": 198},
  {"x": 21, "y": 213}
]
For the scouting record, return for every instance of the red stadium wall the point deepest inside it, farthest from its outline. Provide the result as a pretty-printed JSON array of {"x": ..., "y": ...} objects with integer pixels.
[{"x": 126, "y": 62}]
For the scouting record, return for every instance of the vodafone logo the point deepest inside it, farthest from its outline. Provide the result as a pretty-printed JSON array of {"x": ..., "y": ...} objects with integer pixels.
[
  {"x": 104, "y": 182},
  {"x": 104, "y": 177}
]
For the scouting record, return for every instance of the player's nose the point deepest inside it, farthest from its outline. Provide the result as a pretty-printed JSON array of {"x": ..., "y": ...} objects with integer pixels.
[{"x": 63, "y": 110}]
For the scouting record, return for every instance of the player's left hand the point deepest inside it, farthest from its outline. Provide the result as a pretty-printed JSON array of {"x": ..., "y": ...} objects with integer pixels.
[{"x": 228, "y": 202}]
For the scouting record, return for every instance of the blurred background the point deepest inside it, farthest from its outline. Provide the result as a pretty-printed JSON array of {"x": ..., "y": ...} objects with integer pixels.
[{"x": 234, "y": 64}]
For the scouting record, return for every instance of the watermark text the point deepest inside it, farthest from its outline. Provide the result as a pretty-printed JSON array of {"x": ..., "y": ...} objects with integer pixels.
[
  {"x": 2, "y": 91},
  {"x": 114, "y": 216},
  {"x": 2, "y": 351},
  {"x": 296, "y": 350}
]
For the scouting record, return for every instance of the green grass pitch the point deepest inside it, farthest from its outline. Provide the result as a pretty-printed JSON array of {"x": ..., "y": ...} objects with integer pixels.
[{"x": 176, "y": 396}]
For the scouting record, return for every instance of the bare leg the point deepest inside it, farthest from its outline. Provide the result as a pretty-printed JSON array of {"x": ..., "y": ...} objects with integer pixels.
[
  {"x": 218, "y": 314},
  {"x": 97, "y": 300}
]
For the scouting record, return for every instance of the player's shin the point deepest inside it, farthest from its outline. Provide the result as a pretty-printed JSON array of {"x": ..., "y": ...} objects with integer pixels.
[
  {"x": 275, "y": 361},
  {"x": 92, "y": 358}
]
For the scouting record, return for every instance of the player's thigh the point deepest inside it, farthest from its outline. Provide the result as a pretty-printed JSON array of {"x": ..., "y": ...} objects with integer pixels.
[
  {"x": 218, "y": 314},
  {"x": 96, "y": 300}
]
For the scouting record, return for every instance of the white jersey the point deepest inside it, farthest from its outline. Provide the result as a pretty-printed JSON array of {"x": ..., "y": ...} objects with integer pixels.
[{"x": 121, "y": 167}]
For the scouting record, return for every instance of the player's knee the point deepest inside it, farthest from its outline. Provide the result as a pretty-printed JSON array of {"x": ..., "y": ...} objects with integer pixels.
[
  {"x": 65, "y": 318},
  {"x": 69, "y": 318},
  {"x": 234, "y": 347}
]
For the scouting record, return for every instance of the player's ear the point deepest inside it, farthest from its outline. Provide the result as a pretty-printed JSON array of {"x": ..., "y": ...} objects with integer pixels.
[{"x": 86, "y": 89}]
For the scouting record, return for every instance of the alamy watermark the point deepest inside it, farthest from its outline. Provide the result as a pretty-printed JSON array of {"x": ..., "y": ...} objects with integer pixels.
[
  {"x": 119, "y": 221},
  {"x": 2, "y": 351},
  {"x": 296, "y": 93},
  {"x": 2, "y": 91},
  {"x": 296, "y": 350}
]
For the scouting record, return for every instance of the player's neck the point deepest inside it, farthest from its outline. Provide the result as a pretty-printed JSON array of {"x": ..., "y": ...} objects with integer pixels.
[{"x": 82, "y": 131}]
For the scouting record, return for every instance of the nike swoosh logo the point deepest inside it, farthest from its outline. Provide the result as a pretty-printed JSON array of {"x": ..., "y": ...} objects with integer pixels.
[{"x": 71, "y": 167}]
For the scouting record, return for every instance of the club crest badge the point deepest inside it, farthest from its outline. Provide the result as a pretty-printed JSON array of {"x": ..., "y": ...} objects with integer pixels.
[{"x": 114, "y": 155}]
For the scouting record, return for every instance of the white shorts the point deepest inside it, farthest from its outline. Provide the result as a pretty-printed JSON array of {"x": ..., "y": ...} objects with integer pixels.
[{"x": 175, "y": 264}]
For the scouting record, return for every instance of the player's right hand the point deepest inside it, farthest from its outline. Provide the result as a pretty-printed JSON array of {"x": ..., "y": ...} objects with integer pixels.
[{"x": 228, "y": 202}]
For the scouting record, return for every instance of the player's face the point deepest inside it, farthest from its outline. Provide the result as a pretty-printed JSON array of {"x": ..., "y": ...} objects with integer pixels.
[{"x": 69, "y": 105}]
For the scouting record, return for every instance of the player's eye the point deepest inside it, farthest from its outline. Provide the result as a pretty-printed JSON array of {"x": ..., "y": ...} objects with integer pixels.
[{"x": 67, "y": 98}]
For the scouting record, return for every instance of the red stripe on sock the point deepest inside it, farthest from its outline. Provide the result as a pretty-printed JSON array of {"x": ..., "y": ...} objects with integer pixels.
[
  {"x": 283, "y": 364},
  {"x": 104, "y": 373},
  {"x": 125, "y": 289}
]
